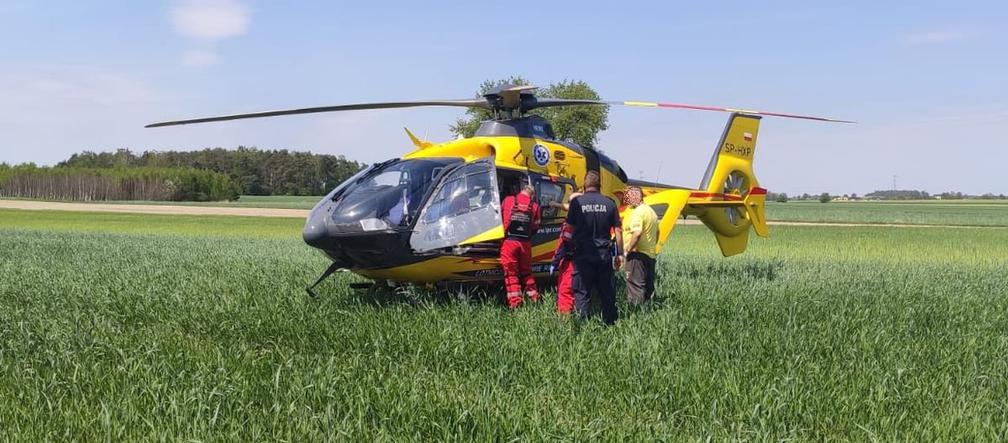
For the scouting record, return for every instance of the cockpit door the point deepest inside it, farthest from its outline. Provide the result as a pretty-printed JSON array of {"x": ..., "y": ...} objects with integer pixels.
[{"x": 465, "y": 205}]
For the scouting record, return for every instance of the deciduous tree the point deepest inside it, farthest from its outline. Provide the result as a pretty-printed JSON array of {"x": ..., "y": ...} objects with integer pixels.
[{"x": 579, "y": 124}]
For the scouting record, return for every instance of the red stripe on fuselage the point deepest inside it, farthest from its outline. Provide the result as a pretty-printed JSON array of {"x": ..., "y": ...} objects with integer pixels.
[{"x": 720, "y": 195}]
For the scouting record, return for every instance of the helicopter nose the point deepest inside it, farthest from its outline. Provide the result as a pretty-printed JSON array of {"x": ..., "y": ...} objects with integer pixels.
[{"x": 315, "y": 230}]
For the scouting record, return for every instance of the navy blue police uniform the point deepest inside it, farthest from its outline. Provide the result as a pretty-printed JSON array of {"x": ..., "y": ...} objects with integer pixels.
[{"x": 593, "y": 217}]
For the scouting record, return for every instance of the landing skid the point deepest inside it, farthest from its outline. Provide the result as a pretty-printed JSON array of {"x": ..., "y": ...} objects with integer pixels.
[{"x": 333, "y": 267}]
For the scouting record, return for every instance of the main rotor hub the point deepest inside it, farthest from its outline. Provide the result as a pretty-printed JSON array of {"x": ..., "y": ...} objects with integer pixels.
[{"x": 510, "y": 101}]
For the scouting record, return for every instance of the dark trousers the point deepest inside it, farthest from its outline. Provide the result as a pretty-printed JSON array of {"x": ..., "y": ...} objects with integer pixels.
[
  {"x": 597, "y": 275},
  {"x": 640, "y": 277}
]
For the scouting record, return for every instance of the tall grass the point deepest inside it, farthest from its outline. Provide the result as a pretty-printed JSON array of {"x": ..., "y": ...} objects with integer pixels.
[
  {"x": 956, "y": 213},
  {"x": 817, "y": 333}
]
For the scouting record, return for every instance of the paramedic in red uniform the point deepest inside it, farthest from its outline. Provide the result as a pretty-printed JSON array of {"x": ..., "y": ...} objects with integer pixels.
[
  {"x": 521, "y": 220},
  {"x": 563, "y": 262}
]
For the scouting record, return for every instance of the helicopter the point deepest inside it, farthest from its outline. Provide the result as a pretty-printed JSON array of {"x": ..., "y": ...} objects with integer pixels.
[{"x": 433, "y": 215}]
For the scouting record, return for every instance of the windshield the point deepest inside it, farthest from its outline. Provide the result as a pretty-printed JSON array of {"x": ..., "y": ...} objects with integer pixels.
[{"x": 388, "y": 196}]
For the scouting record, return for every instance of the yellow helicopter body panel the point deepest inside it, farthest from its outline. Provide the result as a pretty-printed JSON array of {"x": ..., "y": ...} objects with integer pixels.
[{"x": 511, "y": 153}]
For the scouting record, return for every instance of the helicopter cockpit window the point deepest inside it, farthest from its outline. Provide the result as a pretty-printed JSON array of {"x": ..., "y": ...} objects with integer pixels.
[
  {"x": 549, "y": 192},
  {"x": 387, "y": 197},
  {"x": 467, "y": 191},
  {"x": 464, "y": 204},
  {"x": 393, "y": 177}
]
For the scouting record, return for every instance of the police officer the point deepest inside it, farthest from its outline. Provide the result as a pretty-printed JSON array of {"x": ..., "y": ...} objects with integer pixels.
[{"x": 593, "y": 218}]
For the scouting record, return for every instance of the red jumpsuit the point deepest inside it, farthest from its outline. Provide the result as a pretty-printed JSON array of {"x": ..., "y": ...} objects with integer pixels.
[
  {"x": 516, "y": 253},
  {"x": 563, "y": 261}
]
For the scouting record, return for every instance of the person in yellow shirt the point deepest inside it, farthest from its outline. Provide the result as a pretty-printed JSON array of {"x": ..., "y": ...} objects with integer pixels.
[{"x": 640, "y": 235}]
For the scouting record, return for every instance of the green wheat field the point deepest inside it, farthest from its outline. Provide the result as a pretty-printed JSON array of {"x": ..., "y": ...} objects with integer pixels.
[
  {"x": 914, "y": 212},
  {"x": 141, "y": 327},
  {"x": 932, "y": 212}
]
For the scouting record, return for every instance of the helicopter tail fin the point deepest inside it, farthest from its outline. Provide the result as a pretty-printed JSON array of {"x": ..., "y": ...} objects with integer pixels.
[
  {"x": 732, "y": 159},
  {"x": 731, "y": 199}
]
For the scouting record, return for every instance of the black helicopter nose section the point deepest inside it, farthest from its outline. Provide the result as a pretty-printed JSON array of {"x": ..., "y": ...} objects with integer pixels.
[
  {"x": 350, "y": 245},
  {"x": 367, "y": 221},
  {"x": 315, "y": 231},
  {"x": 318, "y": 229}
]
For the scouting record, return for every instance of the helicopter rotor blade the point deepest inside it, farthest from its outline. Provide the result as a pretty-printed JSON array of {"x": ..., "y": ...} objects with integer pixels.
[
  {"x": 504, "y": 97},
  {"x": 466, "y": 103},
  {"x": 723, "y": 109},
  {"x": 550, "y": 102},
  {"x": 553, "y": 102}
]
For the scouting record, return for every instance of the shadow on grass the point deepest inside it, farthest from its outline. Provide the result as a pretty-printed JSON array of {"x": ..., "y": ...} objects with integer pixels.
[
  {"x": 490, "y": 296},
  {"x": 420, "y": 296}
]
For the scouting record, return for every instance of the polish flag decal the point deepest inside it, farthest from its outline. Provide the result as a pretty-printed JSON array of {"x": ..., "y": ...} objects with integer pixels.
[{"x": 747, "y": 136}]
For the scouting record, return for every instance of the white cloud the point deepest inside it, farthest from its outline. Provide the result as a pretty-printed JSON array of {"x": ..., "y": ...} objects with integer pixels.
[
  {"x": 210, "y": 19},
  {"x": 937, "y": 36},
  {"x": 198, "y": 58}
]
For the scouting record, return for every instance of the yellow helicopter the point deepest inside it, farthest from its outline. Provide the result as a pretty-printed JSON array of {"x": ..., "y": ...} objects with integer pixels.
[{"x": 434, "y": 214}]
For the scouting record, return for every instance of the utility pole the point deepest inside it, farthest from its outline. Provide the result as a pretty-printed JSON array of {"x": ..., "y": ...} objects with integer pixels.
[{"x": 894, "y": 182}]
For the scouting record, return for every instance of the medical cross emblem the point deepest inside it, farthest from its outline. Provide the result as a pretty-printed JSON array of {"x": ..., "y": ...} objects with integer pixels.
[{"x": 541, "y": 155}]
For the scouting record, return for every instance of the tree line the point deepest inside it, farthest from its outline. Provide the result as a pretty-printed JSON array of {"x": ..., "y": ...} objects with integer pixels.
[
  {"x": 115, "y": 183},
  {"x": 255, "y": 171},
  {"x": 910, "y": 194}
]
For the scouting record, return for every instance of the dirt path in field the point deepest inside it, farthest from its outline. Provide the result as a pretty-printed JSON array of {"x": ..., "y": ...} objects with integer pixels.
[
  {"x": 302, "y": 213},
  {"x": 864, "y": 225},
  {"x": 152, "y": 209}
]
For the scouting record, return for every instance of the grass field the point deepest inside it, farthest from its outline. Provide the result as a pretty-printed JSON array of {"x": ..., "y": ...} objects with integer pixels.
[
  {"x": 957, "y": 213},
  {"x": 121, "y": 326},
  {"x": 931, "y": 212}
]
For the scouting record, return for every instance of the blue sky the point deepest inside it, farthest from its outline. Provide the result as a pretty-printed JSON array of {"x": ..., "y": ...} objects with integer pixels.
[{"x": 925, "y": 80}]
